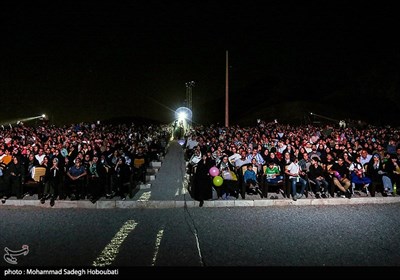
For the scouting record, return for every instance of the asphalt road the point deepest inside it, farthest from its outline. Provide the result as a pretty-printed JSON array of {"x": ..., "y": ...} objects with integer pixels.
[{"x": 343, "y": 235}]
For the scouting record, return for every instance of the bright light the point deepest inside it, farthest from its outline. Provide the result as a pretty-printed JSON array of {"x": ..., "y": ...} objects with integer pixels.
[
  {"x": 183, "y": 119},
  {"x": 182, "y": 116},
  {"x": 183, "y": 113},
  {"x": 21, "y": 121}
]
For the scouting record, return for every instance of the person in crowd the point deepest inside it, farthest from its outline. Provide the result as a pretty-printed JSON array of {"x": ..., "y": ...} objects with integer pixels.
[
  {"x": 40, "y": 156},
  {"x": 191, "y": 144},
  {"x": 7, "y": 157},
  {"x": 378, "y": 175},
  {"x": 357, "y": 174},
  {"x": 29, "y": 166},
  {"x": 273, "y": 173},
  {"x": 293, "y": 170},
  {"x": 121, "y": 178},
  {"x": 13, "y": 178},
  {"x": 257, "y": 156},
  {"x": 348, "y": 160},
  {"x": 234, "y": 156},
  {"x": 243, "y": 160},
  {"x": 340, "y": 178},
  {"x": 96, "y": 179},
  {"x": 230, "y": 185},
  {"x": 193, "y": 161},
  {"x": 317, "y": 178},
  {"x": 139, "y": 163},
  {"x": 76, "y": 179},
  {"x": 365, "y": 157},
  {"x": 251, "y": 181},
  {"x": 202, "y": 180},
  {"x": 52, "y": 180}
]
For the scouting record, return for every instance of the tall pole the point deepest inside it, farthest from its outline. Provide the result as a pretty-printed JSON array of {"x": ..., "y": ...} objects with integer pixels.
[
  {"x": 189, "y": 99},
  {"x": 227, "y": 91}
]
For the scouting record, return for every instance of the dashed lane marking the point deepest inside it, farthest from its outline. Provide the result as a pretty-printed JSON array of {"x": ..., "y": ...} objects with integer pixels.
[{"x": 110, "y": 252}]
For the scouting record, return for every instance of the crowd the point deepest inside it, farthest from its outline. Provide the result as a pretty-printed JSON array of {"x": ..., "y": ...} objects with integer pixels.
[
  {"x": 81, "y": 161},
  {"x": 89, "y": 161},
  {"x": 321, "y": 160}
]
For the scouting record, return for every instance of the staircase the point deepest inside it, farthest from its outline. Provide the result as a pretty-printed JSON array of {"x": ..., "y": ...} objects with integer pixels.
[{"x": 151, "y": 173}]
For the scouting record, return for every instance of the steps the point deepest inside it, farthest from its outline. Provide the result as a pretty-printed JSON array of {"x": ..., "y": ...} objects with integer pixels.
[{"x": 151, "y": 174}]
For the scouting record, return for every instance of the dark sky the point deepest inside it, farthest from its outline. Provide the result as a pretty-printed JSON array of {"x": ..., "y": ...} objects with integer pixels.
[{"x": 88, "y": 60}]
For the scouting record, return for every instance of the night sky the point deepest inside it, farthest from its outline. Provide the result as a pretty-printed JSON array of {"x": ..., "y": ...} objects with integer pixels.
[{"x": 93, "y": 60}]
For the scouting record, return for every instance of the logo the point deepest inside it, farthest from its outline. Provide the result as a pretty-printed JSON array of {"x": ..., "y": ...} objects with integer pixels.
[{"x": 10, "y": 255}]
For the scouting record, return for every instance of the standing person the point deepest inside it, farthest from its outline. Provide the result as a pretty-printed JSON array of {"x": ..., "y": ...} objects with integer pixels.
[
  {"x": 284, "y": 162},
  {"x": 15, "y": 174},
  {"x": 202, "y": 181},
  {"x": 139, "y": 164},
  {"x": 52, "y": 179},
  {"x": 3, "y": 186},
  {"x": 121, "y": 178},
  {"x": 96, "y": 179}
]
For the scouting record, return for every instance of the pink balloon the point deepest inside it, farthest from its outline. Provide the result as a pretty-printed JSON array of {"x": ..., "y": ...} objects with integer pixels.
[{"x": 214, "y": 171}]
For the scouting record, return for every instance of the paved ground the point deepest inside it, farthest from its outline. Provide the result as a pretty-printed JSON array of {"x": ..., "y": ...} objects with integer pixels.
[
  {"x": 289, "y": 236},
  {"x": 170, "y": 190}
]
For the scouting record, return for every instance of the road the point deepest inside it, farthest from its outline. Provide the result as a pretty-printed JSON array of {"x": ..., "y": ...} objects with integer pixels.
[{"x": 344, "y": 235}]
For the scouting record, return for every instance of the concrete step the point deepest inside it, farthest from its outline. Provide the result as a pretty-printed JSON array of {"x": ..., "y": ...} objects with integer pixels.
[
  {"x": 150, "y": 178},
  {"x": 145, "y": 186},
  {"x": 155, "y": 164},
  {"x": 152, "y": 170}
]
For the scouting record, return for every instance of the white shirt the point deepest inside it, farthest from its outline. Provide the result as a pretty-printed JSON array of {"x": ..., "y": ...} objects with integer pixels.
[{"x": 293, "y": 168}]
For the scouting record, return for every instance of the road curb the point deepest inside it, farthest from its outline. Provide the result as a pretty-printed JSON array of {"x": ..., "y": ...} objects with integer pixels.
[{"x": 164, "y": 204}]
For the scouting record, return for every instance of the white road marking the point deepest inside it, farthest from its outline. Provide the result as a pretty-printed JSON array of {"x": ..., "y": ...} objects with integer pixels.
[
  {"x": 145, "y": 196},
  {"x": 110, "y": 252},
  {"x": 198, "y": 249},
  {"x": 157, "y": 245}
]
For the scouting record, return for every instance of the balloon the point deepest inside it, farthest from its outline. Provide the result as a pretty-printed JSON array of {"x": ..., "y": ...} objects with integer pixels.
[
  {"x": 218, "y": 180},
  {"x": 214, "y": 171}
]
